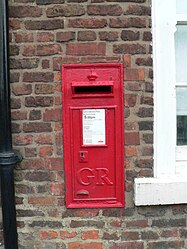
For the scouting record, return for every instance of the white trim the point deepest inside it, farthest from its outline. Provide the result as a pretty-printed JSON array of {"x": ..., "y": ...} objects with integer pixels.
[
  {"x": 164, "y": 86},
  {"x": 166, "y": 187},
  {"x": 161, "y": 191}
]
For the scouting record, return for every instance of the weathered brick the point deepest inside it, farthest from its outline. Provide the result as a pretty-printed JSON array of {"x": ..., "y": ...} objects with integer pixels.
[
  {"x": 133, "y": 74},
  {"x": 46, "y": 2},
  {"x": 47, "y": 235},
  {"x": 65, "y": 10},
  {"x": 24, "y": 11},
  {"x": 42, "y": 101},
  {"x": 41, "y": 50},
  {"x": 46, "y": 223},
  {"x": 57, "y": 188},
  {"x": 52, "y": 115},
  {"x": 65, "y": 36},
  {"x": 127, "y": 245},
  {"x": 14, "y": 50},
  {"x": 86, "y": 36},
  {"x": 24, "y": 63},
  {"x": 181, "y": 222},
  {"x": 19, "y": 115},
  {"x": 37, "y": 127},
  {"x": 129, "y": 48},
  {"x": 129, "y": 22},
  {"x": 21, "y": 140},
  {"x": 45, "y": 151},
  {"x": 90, "y": 23},
  {"x": 28, "y": 213},
  {"x": 166, "y": 244},
  {"x": 130, "y": 151},
  {"x": 45, "y": 37},
  {"x": 145, "y": 112},
  {"x": 67, "y": 234},
  {"x": 24, "y": 89},
  {"x": 108, "y": 36},
  {"x": 149, "y": 234},
  {"x": 45, "y": 24},
  {"x": 86, "y": 223},
  {"x": 130, "y": 100},
  {"x": 23, "y": 37},
  {"x": 147, "y": 36},
  {"x": 144, "y": 61},
  {"x": 91, "y": 234},
  {"x": 86, "y": 49},
  {"x": 14, "y": 77},
  {"x": 39, "y": 176},
  {"x": 130, "y": 35},
  {"x": 136, "y": 9},
  {"x": 45, "y": 64},
  {"x": 90, "y": 245},
  {"x": 14, "y": 24},
  {"x": 40, "y": 200},
  {"x": 38, "y": 77},
  {"x": 132, "y": 138},
  {"x": 110, "y": 236},
  {"x": 43, "y": 89},
  {"x": 35, "y": 115},
  {"x": 145, "y": 125},
  {"x": 103, "y": 10},
  {"x": 130, "y": 235}
]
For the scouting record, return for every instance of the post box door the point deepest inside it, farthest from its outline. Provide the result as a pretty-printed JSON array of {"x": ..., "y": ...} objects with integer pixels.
[{"x": 94, "y": 145}]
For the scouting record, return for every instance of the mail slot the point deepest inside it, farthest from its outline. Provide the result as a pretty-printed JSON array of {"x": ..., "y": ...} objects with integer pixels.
[{"x": 93, "y": 134}]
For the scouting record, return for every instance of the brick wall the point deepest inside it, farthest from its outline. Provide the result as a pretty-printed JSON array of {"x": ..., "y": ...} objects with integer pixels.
[{"x": 44, "y": 34}]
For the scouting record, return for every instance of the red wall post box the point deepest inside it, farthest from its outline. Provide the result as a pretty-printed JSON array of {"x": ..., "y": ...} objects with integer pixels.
[{"x": 93, "y": 117}]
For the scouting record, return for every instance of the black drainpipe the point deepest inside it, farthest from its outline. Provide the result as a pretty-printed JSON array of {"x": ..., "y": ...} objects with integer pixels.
[{"x": 8, "y": 158}]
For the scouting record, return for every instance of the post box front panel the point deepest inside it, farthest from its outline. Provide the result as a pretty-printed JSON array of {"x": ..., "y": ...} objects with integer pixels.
[{"x": 93, "y": 140}]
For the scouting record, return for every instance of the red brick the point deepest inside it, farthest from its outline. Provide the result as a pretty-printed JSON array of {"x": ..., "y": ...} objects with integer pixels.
[
  {"x": 23, "y": 37},
  {"x": 57, "y": 188},
  {"x": 22, "y": 89},
  {"x": 67, "y": 235},
  {"x": 65, "y": 36},
  {"x": 130, "y": 100},
  {"x": 24, "y": 11},
  {"x": 54, "y": 163},
  {"x": 137, "y": 223},
  {"x": 89, "y": 23},
  {"x": 103, "y": 10},
  {"x": 44, "y": 139},
  {"x": 128, "y": 22},
  {"x": 44, "y": 24},
  {"x": 48, "y": 235},
  {"x": 40, "y": 200},
  {"x": 19, "y": 115},
  {"x": 38, "y": 77},
  {"x": 46, "y": 151},
  {"x": 78, "y": 245},
  {"x": 14, "y": 24},
  {"x": 92, "y": 234},
  {"x": 132, "y": 138},
  {"x": 22, "y": 140},
  {"x": 45, "y": 37},
  {"x": 65, "y": 10},
  {"x": 127, "y": 245},
  {"x": 108, "y": 36},
  {"x": 52, "y": 115},
  {"x": 86, "y": 49},
  {"x": 130, "y": 151},
  {"x": 134, "y": 74},
  {"x": 86, "y": 36}
]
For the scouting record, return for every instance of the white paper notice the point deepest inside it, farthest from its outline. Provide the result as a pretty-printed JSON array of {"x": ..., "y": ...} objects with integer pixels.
[{"x": 93, "y": 123}]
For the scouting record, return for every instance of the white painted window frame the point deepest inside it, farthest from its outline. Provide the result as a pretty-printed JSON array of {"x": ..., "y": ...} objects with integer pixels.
[{"x": 167, "y": 186}]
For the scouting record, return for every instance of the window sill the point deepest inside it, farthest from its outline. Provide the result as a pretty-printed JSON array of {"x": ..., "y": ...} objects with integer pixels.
[{"x": 164, "y": 190}]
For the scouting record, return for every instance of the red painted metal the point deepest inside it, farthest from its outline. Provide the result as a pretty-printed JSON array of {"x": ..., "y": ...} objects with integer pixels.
[{"x": 93, "y": 127}]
